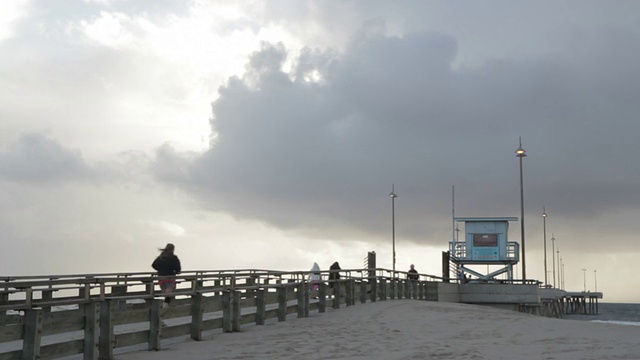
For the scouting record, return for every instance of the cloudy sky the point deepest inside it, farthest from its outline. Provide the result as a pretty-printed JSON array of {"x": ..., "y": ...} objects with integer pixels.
[{"x": 268, "y": 134}]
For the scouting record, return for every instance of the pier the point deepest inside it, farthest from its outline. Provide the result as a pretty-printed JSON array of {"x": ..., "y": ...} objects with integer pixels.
[{"x": 48, "y": 317}]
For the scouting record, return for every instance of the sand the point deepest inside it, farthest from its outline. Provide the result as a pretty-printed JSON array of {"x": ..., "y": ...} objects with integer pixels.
[{"x": 409, "y": 329}]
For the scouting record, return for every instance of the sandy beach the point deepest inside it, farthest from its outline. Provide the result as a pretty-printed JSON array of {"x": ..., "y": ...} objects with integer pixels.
[{"x": 406, "y": 329}]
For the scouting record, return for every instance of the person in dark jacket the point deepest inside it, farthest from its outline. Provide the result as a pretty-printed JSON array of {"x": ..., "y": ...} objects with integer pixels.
[
  {"x": 412, "y": 274},
  {"x": 167, "y": 265},
  {"x": 334, "y": 273}
]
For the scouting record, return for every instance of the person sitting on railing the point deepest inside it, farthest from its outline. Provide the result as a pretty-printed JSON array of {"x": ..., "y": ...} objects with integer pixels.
[
  {"x": 334, "y": 273},
  {"x": 167, "y": 265}
]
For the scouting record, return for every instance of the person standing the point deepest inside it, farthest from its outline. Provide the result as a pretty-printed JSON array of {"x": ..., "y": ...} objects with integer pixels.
[
  {"x": 314, "y": 276},
  {"x": 168, "y": 266},
  {"x": 334, "y": 273},
  {"x": 412, "y": 274}
]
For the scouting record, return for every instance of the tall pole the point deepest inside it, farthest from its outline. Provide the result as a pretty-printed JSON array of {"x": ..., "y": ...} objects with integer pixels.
[
  {"x": 393, "y": 225},
  {"x": 595, "y": 279},
  {"x": 454, "y": 228},
  {"x": 520, "y": 153},
  {"x": 553, "y": 244},
  {"x": 559, "y": 282},
  {"x": 544, "y": 231},
  {"x": 584, "y": 276},
  {"x": 562, "y": 274}
]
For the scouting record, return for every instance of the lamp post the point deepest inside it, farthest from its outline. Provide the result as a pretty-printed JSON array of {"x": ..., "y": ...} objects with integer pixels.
[
  {"x": 559, "y": 276},
  {"x": 544, "y": 231},
  {"x": 553, "y": 256},
  {"x": 520, "y": 153},
  {"x": 584, "y": 276},
  {"x": 562, "y": 274},
  {"x": 595, "y": 279},
  {"x": 393, "y": 226}
]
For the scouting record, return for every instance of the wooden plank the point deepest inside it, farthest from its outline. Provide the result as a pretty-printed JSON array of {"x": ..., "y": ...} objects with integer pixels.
[
  {"x": 172, "y": 311},
  {"x": 260, "y": 307},
  {"x": 322, "y": 298},
  {"x": 271, "y": 314},
  {"x": 282, "y": 304},
  {"x": 11, "y": 355},
  {"x": 196, "y": 317},
  {"x": 212, "y": 324},
  {"x": 132, "y": 338},
  {"x": 337, "y": 292},
  {"x": 154, "y": 325},
  {"x": 11, "y": 319},
  {"x": 91, "y": 331},
  {"x": 130, "y": 316},
  {"x": 247, "y": 319},
  {"x": 212, "y": 304},
  {"x": 235, "y": 308},
  {"x": 176, "y": 331},
  {"x": 107, "y": 340},
  {"x": 11, "y": 332},
  {"x": 32, "y": 334},
  {"x": 271, "y": 298},
  {"x": 62, "y": 322},
  {"x": 300, "y": 296},
  {"x": 58, "y": 350},
  {"x": 226, "y": 312}
]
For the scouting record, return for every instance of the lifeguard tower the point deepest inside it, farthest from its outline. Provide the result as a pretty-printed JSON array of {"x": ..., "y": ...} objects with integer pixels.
[{"x": 485, "y": 243}]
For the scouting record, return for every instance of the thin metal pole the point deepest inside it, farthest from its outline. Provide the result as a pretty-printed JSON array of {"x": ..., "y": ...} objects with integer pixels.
[
  {"x": 524, "y": 258},
  {"x": 544, "y": 230},
  {"x": 553, "y": 254},
  {"x": 393, "y": 230},
  {"x": 584, "y": 276},
  {"x": 559, "y": 281},
  {"x": 393, "y": 225}
]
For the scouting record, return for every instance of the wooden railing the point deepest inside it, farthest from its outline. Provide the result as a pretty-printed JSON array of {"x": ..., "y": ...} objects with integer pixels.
[{"x": 47, "y": 317}]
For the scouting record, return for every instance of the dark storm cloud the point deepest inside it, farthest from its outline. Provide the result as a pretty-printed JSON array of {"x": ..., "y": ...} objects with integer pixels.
[{"x": 318, "y": 155}]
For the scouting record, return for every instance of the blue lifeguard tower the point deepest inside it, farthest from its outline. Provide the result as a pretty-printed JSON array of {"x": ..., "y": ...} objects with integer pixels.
[{"x": 485, "y": 243}]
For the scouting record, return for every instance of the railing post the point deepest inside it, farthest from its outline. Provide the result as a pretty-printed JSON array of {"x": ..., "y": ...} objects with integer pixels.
[
  {"x": 420, "y": 290},
  {"x": 154, "y": 324},
  {"x": 196, "y": 316},
  {"x": 107, "y": 338},
  {"x": 383, "y": 289},
  {"x": 260, "y": 306},
  {"x": 47, "y": 295},
  {"x": 363, "y": 291},
  {"x": 322, "y": 298},
  {"x": 307, "y": 294},
  {"x": 392, "y": 288},
  {"x": 282, "y": 303},
  {"x": 226, "y": 311},
  {"x": 32, "y": 334},
  {"x": 407, "y": 288},
  {"x": 336, "y": 294},
  {"x": 91, "y": 330},
  {"x": 300, "y": 295},
  {"x": 236, "y": 310},
  {"x": 349, "y": 292},
  {"x": 374, "y": 288}
]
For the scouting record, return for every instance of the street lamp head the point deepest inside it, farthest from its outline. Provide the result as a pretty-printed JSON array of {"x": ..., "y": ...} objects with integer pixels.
[
  {"x": 393, "y": 194},
  {"x": 520, "y": 152}
]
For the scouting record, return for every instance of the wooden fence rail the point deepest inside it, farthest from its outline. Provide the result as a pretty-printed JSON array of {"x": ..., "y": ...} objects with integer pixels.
[{"x": 57, "y": 316}]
